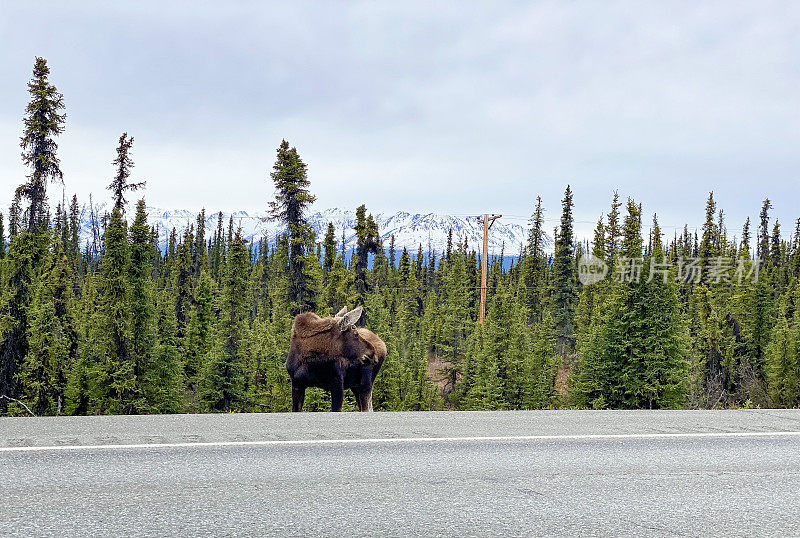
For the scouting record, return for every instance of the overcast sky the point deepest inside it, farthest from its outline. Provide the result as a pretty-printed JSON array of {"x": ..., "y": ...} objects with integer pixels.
[{"x": 459, "y": 108}]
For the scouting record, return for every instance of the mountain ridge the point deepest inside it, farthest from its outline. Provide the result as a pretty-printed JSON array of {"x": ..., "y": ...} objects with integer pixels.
[{"x": 410, "y": 229}]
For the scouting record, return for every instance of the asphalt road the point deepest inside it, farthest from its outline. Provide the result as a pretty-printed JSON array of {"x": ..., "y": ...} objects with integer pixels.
[{"x": 566, "y": 473}]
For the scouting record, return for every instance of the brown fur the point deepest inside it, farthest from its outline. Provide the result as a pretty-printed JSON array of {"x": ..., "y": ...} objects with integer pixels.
[
  {"x": 374, "y": 342},
  {"x": 308, "y": 324},
  {"x": 322, "y": 347},
  {"x": 355, "y": 368},
  {"x": 316, "y": 338}
]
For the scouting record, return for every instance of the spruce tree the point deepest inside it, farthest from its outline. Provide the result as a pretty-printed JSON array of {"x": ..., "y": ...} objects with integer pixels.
[
  {"x": 3, "y": 245},
  {"x": 42, "y": 374},
  {"x": 508, "y": 341},
  {"x": 313, "y": 273},
  {"x": 407, "y": 379},
  {"x": 541, "y": 366},
  {"x": 455, "y": 318},
  {"x": 73, "y": 243},
  {"x": 199, "y": 251},
  {"x": 631, "y": 246},
  {"x": 657, "y": 245},
  {"x": 162, "y": 381},
  {"x": 199, "y": 332},
  {"x": 392, "y": 250},
  {"x": 449, "y": 248},
  {"x": 637, "y": 357},
  {"x": 760, "y": 305},
  {"x": 43, "y": 121},
  {"x": 223, "y": 383},
  {"x": 181, "y": 279},
  {"x": 708, "y": 244},
  {"x": 484, "y": 392},
  {"x": 367, "y": 242},
  {"x": 533, "y": 264},
  {"x": 52, "y": 336},
  {"x": 796, "y": 252},
  {"x": 292, "y": 200},
  {"x": 405, "y": 334},
  {"x": 21, "y": 268},
  {"x": 339, "y": 290},
  {"x": 142, "y": 313},
  {"x": 613, "y": 232},
  {"x": 217, "y": 249},
  {"x": 14, "y": 216},
  {"x": 632, "y": 354},
  {"x": 114, "y": 384},
  {"x": 565, "y": 288},
  {"x": 329, "y": 244},
  {"x": 783, "y": 353},
  {"x": 599, "y": 244},
  {"x": 775, "y": 244},
  {"x": 120, "y": 184},
  {"x": 80, "y": 380},
  {"x": 763, "y": 232},
  {"x": 745, "y": 245}
]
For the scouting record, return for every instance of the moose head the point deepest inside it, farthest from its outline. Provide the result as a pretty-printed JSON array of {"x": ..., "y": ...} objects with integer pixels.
[{"x": 354, "y": 344}]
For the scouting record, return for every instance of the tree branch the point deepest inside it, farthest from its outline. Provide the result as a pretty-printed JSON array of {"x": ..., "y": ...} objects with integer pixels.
[{"x": 2, "y": 396}]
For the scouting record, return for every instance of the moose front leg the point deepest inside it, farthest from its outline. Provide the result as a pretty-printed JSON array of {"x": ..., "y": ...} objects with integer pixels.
[
  {"x": 337, "y": 395},
  {"x": 298, "y": 397}
]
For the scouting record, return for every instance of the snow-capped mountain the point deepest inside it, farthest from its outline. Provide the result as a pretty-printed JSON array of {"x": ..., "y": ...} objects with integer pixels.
[{"x": 410, "y": 230}]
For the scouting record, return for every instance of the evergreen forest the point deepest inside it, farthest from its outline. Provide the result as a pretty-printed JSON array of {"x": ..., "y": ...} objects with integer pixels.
[{"x": 118, "y": 324}]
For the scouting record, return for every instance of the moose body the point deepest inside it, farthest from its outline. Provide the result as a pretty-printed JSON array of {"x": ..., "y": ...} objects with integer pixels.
[{"x": 332, "y": 354}]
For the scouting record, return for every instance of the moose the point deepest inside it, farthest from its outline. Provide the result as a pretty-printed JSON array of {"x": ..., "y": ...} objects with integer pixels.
[{"x": 333, "y": 354}]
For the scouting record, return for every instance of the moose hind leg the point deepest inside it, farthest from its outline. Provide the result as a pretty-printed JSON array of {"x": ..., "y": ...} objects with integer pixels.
[
  {"x": 363, "y": 398},
  {"x": 298, "y": 397},
  {"x": 337, "y": 397},
  {"x": 366, "y": 399}
]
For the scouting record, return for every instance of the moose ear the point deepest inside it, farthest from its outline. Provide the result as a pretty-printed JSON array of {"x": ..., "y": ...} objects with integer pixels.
[
  {"x": 341, "y": 312},
  {"x": 350, "y": 319}
]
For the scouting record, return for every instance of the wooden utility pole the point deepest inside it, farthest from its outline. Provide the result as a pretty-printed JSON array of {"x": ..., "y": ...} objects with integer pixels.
[{"x": 488, "y": 220}]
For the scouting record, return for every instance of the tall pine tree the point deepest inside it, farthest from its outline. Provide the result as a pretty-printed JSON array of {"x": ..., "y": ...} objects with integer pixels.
[{"x": 292, "y": 200}]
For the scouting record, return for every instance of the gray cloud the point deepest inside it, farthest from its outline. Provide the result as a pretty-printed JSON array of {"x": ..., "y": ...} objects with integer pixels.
[{"x": 448, "y": 107}]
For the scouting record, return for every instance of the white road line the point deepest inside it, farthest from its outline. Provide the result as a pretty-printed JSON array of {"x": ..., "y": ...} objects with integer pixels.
[{"x": 589, "y": 437}]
